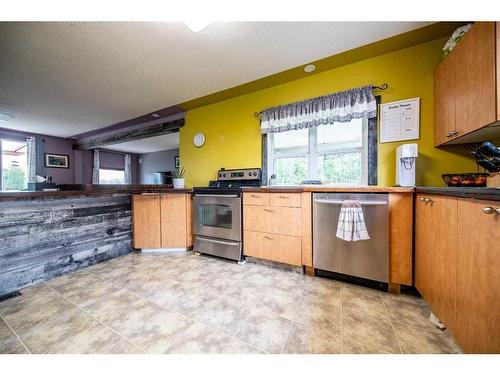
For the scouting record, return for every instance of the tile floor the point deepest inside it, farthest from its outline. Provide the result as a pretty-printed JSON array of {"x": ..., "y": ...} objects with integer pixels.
[{"x": 183, "y": 303}]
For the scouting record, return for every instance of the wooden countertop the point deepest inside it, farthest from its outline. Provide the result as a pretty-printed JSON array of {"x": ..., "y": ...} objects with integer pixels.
[
  {"x": 329, "y": 188},
  {"x": 75, "y": 190}
]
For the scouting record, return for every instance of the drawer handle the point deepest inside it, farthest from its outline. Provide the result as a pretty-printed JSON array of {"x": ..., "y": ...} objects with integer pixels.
[
  {"x": 268, "y": 210},
  {"x": 255, "y": 196},
  {"x": 448, "y": 135},
  {"x": 491, "y": 210},
  {"x": 283, "y": 196},
  {"x": 422, "y": 199},
  {"x": 268, "y": 238},
  {"x": 427, "y": 200}
]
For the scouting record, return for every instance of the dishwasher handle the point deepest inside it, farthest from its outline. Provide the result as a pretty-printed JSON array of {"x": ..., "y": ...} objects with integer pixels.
[{"x": 339, "y": 202}]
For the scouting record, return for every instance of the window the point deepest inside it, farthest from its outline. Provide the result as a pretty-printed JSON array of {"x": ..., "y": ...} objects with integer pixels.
[
  {"x": 111, "y": 176},
  {"x": 14, "y": 165},
  {"x": 335, "y": 153}
]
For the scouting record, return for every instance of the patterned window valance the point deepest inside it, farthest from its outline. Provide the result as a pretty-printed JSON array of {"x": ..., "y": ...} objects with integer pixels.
[{"x": 338, "y": 107}]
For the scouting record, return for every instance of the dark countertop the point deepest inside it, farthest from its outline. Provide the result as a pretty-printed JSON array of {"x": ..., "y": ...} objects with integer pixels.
[
  {"x": 74, "y": 190},
  {"x": 462, "y": 192},
  {"x": 329, "y": 188}
]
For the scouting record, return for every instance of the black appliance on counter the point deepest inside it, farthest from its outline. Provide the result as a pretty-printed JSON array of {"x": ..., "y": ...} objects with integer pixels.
[
  {"x": 218, "y": 219},
  {"x": 162, "y": 178},
  {"x": 488, "y": 156}
]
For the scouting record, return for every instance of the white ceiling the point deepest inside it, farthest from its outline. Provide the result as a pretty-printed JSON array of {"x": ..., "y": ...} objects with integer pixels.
[
  {"x": 67, "y": 78},
  {"x": 153, "y": 144}
]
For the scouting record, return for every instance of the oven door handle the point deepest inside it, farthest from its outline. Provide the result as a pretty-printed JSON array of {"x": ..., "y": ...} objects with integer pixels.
[
  {"x": 219, "y": 241},
  {"x": 217, "y": 195}
]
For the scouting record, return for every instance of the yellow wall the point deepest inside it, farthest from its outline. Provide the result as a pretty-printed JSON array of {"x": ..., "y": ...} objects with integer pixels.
[{"x": 233, "y": 138}]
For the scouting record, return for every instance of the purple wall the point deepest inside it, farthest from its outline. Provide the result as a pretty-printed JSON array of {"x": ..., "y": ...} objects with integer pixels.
[{"x": 80, "y": 162}]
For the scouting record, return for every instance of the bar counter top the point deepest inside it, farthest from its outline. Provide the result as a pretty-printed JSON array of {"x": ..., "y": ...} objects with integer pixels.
[
  {"x": 329, "y": 189},
  {"x": 75, "y": 190}
]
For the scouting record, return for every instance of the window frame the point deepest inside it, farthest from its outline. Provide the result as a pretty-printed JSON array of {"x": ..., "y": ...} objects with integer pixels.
[{"x": 313, "y": 151}]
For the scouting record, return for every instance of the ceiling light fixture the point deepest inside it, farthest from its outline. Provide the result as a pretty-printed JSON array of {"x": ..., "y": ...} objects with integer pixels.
[
  {"x": 5, "y": 117},
  {"x": 197, "y": 25},
  {"x": 309, "y": 68}
]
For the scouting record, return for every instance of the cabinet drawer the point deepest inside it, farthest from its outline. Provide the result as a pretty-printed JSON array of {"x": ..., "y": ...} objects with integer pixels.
[
  {"x": 275, "y": 247},
  {"x": 284, "y": 199},
  {"x": 256, "y": 199},
  {"x": 271, "y": 219}
]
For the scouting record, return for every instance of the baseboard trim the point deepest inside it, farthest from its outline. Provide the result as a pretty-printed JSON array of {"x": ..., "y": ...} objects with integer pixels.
[{"x": 164, "y": 250}]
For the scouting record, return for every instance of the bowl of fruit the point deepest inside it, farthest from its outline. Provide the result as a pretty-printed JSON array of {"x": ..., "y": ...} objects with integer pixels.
[{"x": 465, "y": 179}]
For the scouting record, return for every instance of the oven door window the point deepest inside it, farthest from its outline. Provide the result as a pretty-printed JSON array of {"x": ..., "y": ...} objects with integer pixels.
[{"x": 215, "y": 215}]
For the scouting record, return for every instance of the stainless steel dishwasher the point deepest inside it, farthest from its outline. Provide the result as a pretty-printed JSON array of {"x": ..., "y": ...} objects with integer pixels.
[{"x": 368, "y": 259}]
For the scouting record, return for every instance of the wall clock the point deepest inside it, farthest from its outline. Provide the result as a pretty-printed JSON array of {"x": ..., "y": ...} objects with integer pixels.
[{"x": 199, "y": 139}]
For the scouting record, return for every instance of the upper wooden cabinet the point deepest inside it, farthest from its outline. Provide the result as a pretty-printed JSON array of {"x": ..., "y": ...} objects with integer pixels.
[
  {"x": 466, "y": 86},
  {"x": 162, "y": 221}
]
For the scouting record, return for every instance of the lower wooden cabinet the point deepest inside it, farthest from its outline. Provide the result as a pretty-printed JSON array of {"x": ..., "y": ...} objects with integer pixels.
[
  {"x": 457, "y": 263},
  {"x": 277, "y": 247},
  {"x": 278, "y": 226},
  {"x": 161, "y": 221},
  {"x": 478, "y": 277}
]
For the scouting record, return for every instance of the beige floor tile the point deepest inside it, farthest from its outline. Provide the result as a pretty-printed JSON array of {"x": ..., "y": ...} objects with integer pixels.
[
  {"x": 278, "y": 302},
  {"x": 224, "y": 314},
  {"x": 95, "y": 340},
  {"x": 236, "y": 346},
  {"x": 200, "y": 339},
  {"x": 323, "y": 290},
  {"x": 9, "y": 343},
  {"x": 36, "y": 305},
  {"x": 413, "y": 314},
  {"x": 124, "y": 347},
  {"x": 266, "y": 332},
  {"x": 351, "y": 347},
  {"x": 319, "y": 315},
  {"x": 155, "y": 332},
  {"x": 41, "y": 337},
  {"x": 403, "y": 298},
  {"x": 369, "y": 330},
  {"x": 307, "y": 340},
  {"x": 82, "y": 289},
  {"x": 361, "y": 301},
  {"x": 415, "y": 340}
]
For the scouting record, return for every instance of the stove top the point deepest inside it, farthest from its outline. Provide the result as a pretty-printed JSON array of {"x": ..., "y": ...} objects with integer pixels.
[{"x": 230, "y": 181}]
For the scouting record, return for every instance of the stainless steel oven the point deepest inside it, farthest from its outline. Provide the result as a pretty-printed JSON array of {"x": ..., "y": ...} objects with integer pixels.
[
  {"x": 217, "y": 221},
  {"x": 217, "y": 216}
]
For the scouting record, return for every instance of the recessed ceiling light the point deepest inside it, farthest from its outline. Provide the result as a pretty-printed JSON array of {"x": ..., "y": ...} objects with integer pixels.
[
  {"x": 309, "y": 68},
  {"x": 155, "y": 115},
  {"x": 197, "y": 25},
  {"x": 5, "y": 117}
]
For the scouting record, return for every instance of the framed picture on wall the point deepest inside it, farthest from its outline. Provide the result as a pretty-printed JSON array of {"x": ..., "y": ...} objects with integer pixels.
[
  {"x": 177, "y": 163},
  {"x": 56, "y": 161}
]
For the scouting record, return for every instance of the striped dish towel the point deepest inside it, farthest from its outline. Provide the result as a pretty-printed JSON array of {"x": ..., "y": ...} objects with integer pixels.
[{"x": 351, "y": 225}]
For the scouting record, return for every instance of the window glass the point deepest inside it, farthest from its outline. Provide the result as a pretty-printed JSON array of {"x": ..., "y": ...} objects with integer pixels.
[
  {"x": 291, "y": 170},
  {"x": 14, "y": 165},
  {"x": 342, "y": 168},
  {"x": 350, "y": 134},
  {"x": 291, "y": 139},
  {"x": 111, "y": 176}
]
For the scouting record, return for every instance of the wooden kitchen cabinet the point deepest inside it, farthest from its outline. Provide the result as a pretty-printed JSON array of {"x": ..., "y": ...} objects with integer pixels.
[
  {"x": 146, "y": 221},
  {"x": 278, "y": 227},
  {"x": 161, "y": 221},
  {"x": 457, "y": 258},
  {"x": 466, "y": 85},
  {"x": 478, "y": 277}
]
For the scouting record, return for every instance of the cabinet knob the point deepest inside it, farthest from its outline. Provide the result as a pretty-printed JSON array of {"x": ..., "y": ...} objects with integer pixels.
[
  {"x": 448, "y": 135},
  {"x": 490, "y": 210}
]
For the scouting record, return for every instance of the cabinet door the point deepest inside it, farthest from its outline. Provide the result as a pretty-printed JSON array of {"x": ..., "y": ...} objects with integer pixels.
[
  {"x": 173, "y": 220},
  {"x": 478, "y": 277},
  {"x": 443, "y": 258},
  {"x": 444, "y": 99},
  {"x": 422, "y": 245},
  {"x": 275, "y": 247},
  {"x": 475, "y": 78},
  {"x": 146, "y": 221}
]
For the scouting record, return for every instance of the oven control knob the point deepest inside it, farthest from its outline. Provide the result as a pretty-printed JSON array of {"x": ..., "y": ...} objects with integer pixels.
[
  {"x": 255, "y": 173},
  {"x": 220, "y": 174},
  {"x": 224, "y": 175},
  {"x": 249, "y": 173}
]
